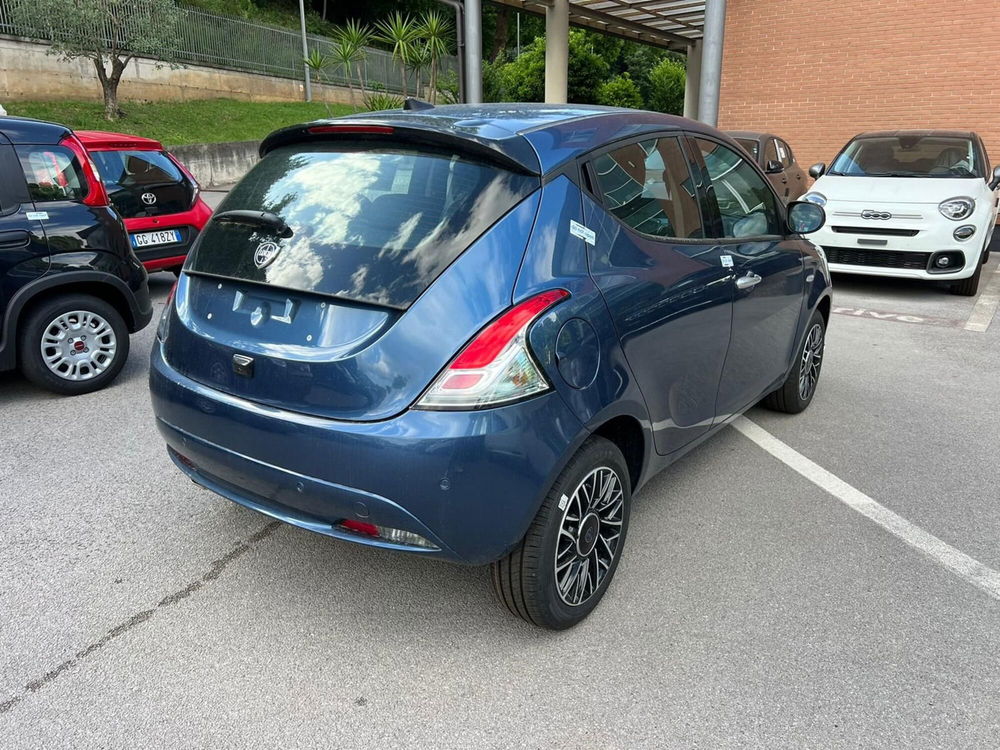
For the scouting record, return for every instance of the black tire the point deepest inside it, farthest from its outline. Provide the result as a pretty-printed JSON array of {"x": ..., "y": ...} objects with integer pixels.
[
  {"x": 95, "y": 373},
  {"x": 526, "y": 582},
  {"x": 795, "y": 395},
  {"x": 970, "y": 286}
]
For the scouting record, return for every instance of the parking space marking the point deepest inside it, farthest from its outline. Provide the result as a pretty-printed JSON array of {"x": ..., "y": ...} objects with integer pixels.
[
  {"x": 895, "y": 317},
  {"x": 986, "y": 306},
  {"x": 965, "y": 567}
]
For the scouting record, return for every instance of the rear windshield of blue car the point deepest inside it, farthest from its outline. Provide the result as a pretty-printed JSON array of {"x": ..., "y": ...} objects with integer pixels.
[{"x": 372, "y": 223}]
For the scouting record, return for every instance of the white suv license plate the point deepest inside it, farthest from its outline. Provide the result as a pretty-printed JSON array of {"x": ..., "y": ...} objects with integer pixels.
[{"x": 148, "y": 239}]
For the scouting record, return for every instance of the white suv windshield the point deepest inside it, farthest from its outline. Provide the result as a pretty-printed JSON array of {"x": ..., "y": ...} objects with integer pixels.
[{"x": 908, "y": 156}]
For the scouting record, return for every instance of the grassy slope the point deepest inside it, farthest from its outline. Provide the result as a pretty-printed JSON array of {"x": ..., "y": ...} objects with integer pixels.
[{"x": 177, "y": 123}]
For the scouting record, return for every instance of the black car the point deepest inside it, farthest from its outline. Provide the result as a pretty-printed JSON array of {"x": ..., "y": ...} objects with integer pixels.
[
  {"x": 775, "y": 157},
  {"x": 71, "y": 288}
]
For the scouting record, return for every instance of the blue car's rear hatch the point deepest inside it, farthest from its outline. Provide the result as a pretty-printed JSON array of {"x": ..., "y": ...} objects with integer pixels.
[{"x": 337, "y": 267}]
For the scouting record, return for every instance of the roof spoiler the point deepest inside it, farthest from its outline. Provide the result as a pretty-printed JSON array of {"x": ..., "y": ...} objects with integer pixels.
[{"x": 417, "y": 133}]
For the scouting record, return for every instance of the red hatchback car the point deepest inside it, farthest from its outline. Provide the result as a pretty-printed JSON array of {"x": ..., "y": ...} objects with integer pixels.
[{"x": 158, "y": 198}]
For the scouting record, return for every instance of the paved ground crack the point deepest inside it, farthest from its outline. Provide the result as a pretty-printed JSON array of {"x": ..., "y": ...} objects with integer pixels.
[{"x": 214, "y": 571}]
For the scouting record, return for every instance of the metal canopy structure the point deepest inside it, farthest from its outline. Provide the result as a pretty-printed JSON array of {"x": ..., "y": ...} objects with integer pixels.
[{"x": 673, "y": 24}]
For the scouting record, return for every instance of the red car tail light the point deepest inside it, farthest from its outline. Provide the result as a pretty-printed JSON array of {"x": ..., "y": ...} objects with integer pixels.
[{"x": 96, "y": 194}]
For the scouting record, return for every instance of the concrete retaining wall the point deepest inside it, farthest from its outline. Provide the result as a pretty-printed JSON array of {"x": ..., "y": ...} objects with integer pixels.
[
  {"x": 27, "y": 72},
  {"x": 217, "y": 164}
]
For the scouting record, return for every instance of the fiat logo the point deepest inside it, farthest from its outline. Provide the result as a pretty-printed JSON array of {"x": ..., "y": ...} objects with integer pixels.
[
  {"x": 265, "y": 254},
  {"x": 879, "y": 215},
  {"x": 148, "y": 198}
]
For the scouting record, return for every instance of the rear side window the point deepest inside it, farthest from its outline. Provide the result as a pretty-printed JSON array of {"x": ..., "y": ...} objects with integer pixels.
[
  {"x": 648, "y": 186},
  {"x": 372, "y": 223},
  {"x": 53, "y": 173},
  {"x": 747, "y": 205}
]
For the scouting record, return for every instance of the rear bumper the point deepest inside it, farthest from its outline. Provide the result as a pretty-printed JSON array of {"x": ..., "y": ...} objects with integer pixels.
[
  {"x": 469, "y": 482},
  {"x": 189, "y": 224}
]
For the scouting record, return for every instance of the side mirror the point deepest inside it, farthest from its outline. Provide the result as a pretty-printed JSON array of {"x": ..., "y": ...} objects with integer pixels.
[
  {"x": 805, "y": 217},
  {"x": 817, "y": 170},
  {"x": 995, "y": 180},
  {"x": 774, "y": 167}
]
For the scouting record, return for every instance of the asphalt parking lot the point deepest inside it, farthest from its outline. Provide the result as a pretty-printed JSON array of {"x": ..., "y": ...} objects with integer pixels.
[{"x": 753, "y": 607}]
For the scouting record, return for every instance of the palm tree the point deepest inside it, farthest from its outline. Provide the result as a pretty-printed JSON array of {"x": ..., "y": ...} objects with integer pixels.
[
  {"x": 436, "y": 30},
  {"x": 352, "y": 48},
  {"x": 401, "y": 32},
  {"x": 317, "y": 62}
]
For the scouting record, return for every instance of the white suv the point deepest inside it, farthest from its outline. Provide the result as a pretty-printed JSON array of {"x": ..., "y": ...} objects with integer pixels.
[{"x": 920, "y": 204}]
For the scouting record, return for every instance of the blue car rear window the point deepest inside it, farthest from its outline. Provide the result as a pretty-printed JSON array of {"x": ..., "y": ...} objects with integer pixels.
[{"x": 373, "y": 223}]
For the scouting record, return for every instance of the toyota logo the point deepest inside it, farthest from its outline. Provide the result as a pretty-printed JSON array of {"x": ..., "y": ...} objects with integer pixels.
[
  {"x": 148, "y": 198},
  {"x": 265, "y": 254},
  {"x": 879, "y": 215}
]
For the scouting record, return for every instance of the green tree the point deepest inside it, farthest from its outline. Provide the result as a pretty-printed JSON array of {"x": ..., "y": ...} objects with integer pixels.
[
  {"x": 436, "y": 30},
  {"x": 666, "y": 87},
  {"x": 352, "y": 40},
  {"x": 620, "y": 91},
  {"x": 523, "y": 79},
  {"x": 401, "y": 33},
  {"x": 109, "y": 33}
]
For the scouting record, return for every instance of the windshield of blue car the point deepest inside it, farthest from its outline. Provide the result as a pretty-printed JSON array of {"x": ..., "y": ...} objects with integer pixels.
[
  {"x": 367, "y": 223},
  {"x": 908, "y": 156}
]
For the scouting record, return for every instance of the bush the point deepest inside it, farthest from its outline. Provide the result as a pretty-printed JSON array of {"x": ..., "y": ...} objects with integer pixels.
[
  {"x": 666, "y": 87},
  {"x": 620, "y": 91},
  {"x": 376, "y": 101},
  {"x": 523, "y": 79}
]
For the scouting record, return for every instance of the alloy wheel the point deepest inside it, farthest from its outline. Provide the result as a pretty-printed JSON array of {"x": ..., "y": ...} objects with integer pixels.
[
  {"x": 812, "y": 359},
  {"x": 78, "y": 345},
  {"x": 589, "y": 535}
]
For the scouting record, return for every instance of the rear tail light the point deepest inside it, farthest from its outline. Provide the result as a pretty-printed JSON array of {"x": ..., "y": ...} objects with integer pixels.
[
  {"x": 497, "y": 366},
  {"x": 163, "y": 327},
  {"x": 96, "y": 194},
  {"x": 195, "y": 187},
  {"x": 385, "y": 534}
]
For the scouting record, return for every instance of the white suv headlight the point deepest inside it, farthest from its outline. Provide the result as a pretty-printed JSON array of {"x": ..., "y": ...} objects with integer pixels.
[
  {"x": 957, "y": 209},
  {"x": 818, "y": 198}
]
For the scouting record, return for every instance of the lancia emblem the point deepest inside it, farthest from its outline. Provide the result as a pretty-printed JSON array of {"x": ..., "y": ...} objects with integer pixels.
[
  {"x": 880, "y": 215},
  {"x": 266, "y": 253},
  {"x": 148, "y": 198}
]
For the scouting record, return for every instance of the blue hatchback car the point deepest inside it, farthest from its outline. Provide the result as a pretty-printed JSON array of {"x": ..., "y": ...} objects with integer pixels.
[{"x": 474, "y": 332}]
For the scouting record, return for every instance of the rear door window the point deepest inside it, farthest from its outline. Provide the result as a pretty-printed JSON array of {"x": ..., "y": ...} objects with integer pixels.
[
  {"x": 648, "y": 186},
  {"x": 53, "y": 173},
  {"x": 143, "y": 183},
  {"x": 371, "y": 223}
]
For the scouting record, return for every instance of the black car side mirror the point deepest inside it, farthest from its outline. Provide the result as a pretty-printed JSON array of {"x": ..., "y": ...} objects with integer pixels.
[
  {"x": 817, "y": 170},
  {"x": 805, "y": 217},
  {"x": 995, "y": 180},
  {"x": 774, "y": 167}
]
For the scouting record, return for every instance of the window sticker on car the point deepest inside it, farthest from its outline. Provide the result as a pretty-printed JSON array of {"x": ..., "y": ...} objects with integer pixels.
[
  {"x": 579, "y": 230},
  {"x": 37, "y": 215},
  {"x": 727, "y": 261}
]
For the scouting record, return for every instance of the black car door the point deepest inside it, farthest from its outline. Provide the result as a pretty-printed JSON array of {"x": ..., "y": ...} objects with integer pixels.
[
  {"x": 769, "y": 275},
  {"x": 664, "y": 283},
  {"x": 24, "y": 251}
]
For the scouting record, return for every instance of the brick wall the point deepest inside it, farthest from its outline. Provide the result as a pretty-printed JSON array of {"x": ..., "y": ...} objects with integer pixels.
[{"x": 817, "y": 73}]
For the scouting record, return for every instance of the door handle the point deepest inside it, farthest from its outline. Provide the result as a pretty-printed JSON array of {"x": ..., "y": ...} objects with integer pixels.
[
  {"x": 749, "y": 281},
  {"x": 14, "y": 238}
]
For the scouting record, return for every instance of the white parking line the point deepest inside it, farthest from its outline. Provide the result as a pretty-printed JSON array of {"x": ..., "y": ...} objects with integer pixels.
[
  {"x": 959, "y": 563},
  {"x": 986, "y": 305}
]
